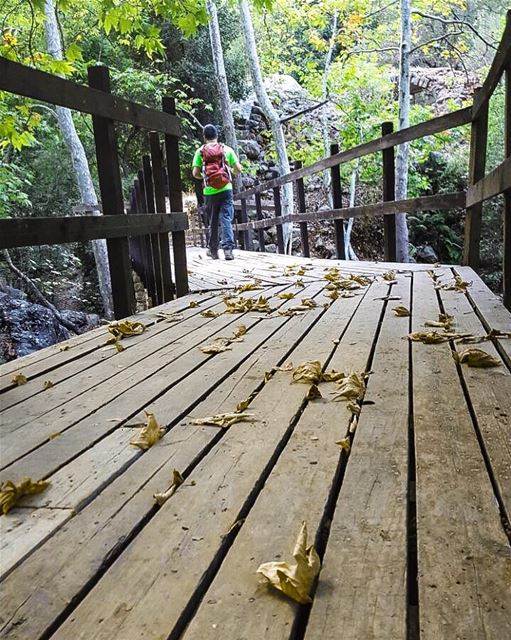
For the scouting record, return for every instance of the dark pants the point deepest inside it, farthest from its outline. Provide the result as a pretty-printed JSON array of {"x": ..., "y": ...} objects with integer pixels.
[{"x": 220, "y": 208}]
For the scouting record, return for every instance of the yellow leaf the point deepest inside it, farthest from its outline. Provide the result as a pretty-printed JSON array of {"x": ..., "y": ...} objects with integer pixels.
[
  {"x": 125, "y": 328},
  {"x": 177, "y": 479},
  {"x": 309, "y": 303},
  {"x": 267, "y": 376},
  {"x": 48, "y": 384},
  {"x": 19, "y": 379},
  {"x": 209, "y": 313},
  {"x": 11, "y": 492},
  {"x": 351, "y": 387},
  {"x": 332, "y": 376},
  {"x": 313, "y": 393},
  {"x": 241, "y": 406},
  {"x": 444, "y": 321},
  {"x": 219, "y": 345},
  {"x": 390, "y": 276},
  {"x": 429, "y": 337},
  {"x": 286, "y": 295},
  {"x": 119, "y": 346},
  {"x": 193, "y": 304},
  {"x": 333, "y": 294},
  {"x": 401, "y": 311},
  {"x": 286, "y": 367},
  {"x": 64, "y": 347},
  {"x": 241, "y": 330},
  {"x": 240, "y": 305},
  {"x": 458, "y": 285},
  {"x": 225, "y": 420},
  {"x": 361, "y": 280},
  {"x": 149, "y": 434},
  {"x": 344, "y": 443},
  {"x": 299, "y": 283},
  {"x": 54, "y": 435},
  {"x": 308, "y": 372},
  {"x": 249, "y": 286},
  {"x": 477, "y": 358},
  {"x": 294, "y": 580}
]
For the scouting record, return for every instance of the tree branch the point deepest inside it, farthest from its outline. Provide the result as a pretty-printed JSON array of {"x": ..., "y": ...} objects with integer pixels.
[
  {"x": 445, "y": 36},
  {"x": 377, "y": 11},
  {"x": 37, "y": 295},
  {"x": 457, "y": 22}
]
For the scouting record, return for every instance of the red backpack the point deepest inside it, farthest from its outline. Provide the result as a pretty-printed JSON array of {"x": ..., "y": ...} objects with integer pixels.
[{"x": 214, "y": 166}]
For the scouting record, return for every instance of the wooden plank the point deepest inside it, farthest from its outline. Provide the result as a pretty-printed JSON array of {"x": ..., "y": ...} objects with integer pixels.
[
  {"x": 176, "y": 203},
  {"x": 428, "y": 128},
  {"x": 87, "y": 542},
  {"x": 278, "y": 216},
  {"x": 501, "y": 61},
  {"x": 506, "y": 231},
  {"x": 159, "y": 196},
  {"x": 102, "y": 408},
  {"x": 463, "y": 552},
  {"x": 489, "y": 308},
  {"x": 476, "y": 171},
  {"x": 112, "y": 200},
  {"x": 29, "y": 232},
  {"x": 493, "y": 184},
  {"x": 259, "y": 215},
  {"x": 389, "y": 194},
  {"x": 490, "y": 396},
  {"x": 425, "y": 203},
  {"x": 23, "y": 530},
  {"x": 298, "y": 488},
  {"x": 335, "y": 176},
  {"x": 32, "y": 83},
  {"x": 302, "y": 208},
  {"x": 365, "y": 565},
  {"x": 154, "y": 237}
]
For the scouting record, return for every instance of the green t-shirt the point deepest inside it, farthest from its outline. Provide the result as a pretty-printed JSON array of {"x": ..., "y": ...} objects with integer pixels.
[{"x": 231, "y": 159}]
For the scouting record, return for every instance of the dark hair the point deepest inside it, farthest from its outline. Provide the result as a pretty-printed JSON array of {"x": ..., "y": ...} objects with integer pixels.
[{"x": 209, "y": 132}]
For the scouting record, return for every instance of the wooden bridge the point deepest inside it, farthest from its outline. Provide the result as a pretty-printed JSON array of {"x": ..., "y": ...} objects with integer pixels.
[{"x": 402, "y": 471}]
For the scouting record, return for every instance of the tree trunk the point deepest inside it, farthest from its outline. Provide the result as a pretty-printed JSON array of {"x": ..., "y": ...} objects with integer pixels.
[
  {"x": 221, "y": 81},
  {"x": 348, "y": 249},
  {"x": 271, "y": 115},
  {"x": 327, "y": 179},
  {"x": 79, "y": 160},
  {"x": 404, "y": 122}
]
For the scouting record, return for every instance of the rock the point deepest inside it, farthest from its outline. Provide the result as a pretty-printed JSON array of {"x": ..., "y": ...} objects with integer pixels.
[
  {"x": 251, "y": 149},
  {"x": 248, "y": 181},
  {"x": 425, "y": 253},
  {"x": 26, "y": 327},
  {"x": 81, "y": 320},
  {"x": 271, "y": 248}
]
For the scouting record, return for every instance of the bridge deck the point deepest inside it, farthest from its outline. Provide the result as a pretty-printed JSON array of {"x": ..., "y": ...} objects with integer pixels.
[{"x": 411, "y": 520}]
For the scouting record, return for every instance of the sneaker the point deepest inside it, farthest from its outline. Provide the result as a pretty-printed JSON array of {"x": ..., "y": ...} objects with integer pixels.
[
  {"x": 212, "y": 253},
  {"x": 228, "y": 254}
]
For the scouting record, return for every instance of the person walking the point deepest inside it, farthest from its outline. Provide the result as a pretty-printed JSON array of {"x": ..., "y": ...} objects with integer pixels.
[{"x": 214, "y": 163}]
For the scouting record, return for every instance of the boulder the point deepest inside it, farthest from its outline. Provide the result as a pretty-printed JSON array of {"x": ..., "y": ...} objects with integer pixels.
[
  {"x": 252, "y": 150},
  {"x": 427, "y": 254}
]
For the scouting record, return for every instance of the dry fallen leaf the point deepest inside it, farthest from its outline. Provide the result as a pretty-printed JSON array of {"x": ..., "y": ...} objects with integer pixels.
[
  {"x": 177, "y": 479},
  {"x": 285, "y": 367},
  {"x": 48, "y": 384},
  {"x": 125, "y": 328},
  {"x": 476, "y": 358},
  {"x": 401, "y": 311},
  {"x": 390, "y": 276},
  {"x": 458, "y": 285},
  {"x": 209, "y": 313},
  {"x": 240, "y": 305},
  {"x": 333, "y": 295},
  {"x": 344, "y": 443},
  {"x": 240, "y": 330},
  {"x": 313, "y": 393},
  {"x": 225, "y": 420},
  {"x": 19, "y": 379},
  {"x": 193, "y": 304},
  {"x": 11, "y": 492},
  {"x": 286, "y": 295},
  {"x": 219, "y": 345},
  {"x": 445, "y": 321},
  {"x": 54, "y": 435},
  {"x": 241, "y": 406},
  {"x": 149, "y": 434},
  {"x": 294, "y": 580},
  {"x": 249, "y": 286},
  {"x": 64, "y": 347},
  {"x": 299, "y": 283},
  {"x": 351, "y": 387},
  {"x": 429, "y": 337},
  {"x": 333, "y": 376},
  {"x": 308, "y": 372}
]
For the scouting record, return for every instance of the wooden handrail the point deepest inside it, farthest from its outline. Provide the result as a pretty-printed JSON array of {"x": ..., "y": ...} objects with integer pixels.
[
  {"x": 28, "y": 232},
  {"x": 32, "y": 83},
  {"x": 493, "y": 184},
  {"x": 412, "y": 205},
  {"x": 428, "y": 128}
]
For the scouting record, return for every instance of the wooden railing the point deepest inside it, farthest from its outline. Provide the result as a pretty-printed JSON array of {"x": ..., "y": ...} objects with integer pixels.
[
  {"x": 139, "y": 240},
  {"x": 481, "y": 187}
]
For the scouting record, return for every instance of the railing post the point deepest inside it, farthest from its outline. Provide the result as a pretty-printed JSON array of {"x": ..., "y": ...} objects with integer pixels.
[
  {"x": 146, "y": 241},
  {"x": 476, "y": 171},
  {"x": 142, "y": 240},
  {"x": 389, "y": 193},
  {"x": 506, "y": 266},
  {"x": 153, "y": 238},
  {"x": 277, "y": 203},
  {"x": 335, "y": 173},
  {"x": 105, "y": 138},
  {"x": 259, "y": 216},
  {"x": 300, "y": 191},
  {"x": 159, "y": 198},
  {"x": 247, "y": 236},
  {"x": 176, "y": 203}
]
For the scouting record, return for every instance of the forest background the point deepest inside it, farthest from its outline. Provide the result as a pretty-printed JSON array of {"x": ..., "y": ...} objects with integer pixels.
[{"x": 344, "y": 53}]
